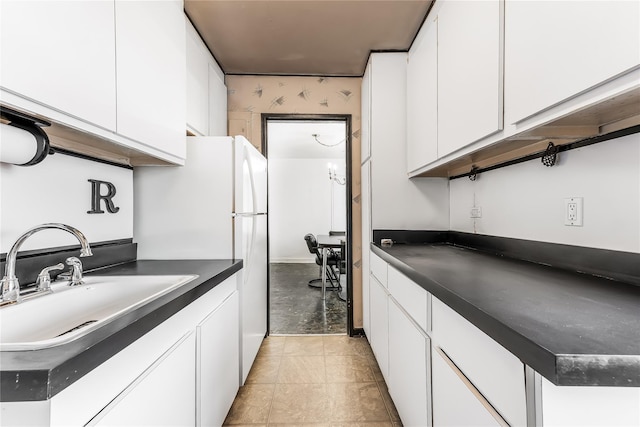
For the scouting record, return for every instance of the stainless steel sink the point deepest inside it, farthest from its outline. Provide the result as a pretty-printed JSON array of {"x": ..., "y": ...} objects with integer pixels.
[{"x": 69, "y": 313}]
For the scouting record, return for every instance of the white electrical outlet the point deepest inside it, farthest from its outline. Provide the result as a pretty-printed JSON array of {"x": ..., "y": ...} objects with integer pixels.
[
  {"x": 573, "y": 211},
  {"x": 476, "y": 212}
]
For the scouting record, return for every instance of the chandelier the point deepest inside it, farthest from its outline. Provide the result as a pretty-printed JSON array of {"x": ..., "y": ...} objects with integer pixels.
[{"x": 333, "y": 176}]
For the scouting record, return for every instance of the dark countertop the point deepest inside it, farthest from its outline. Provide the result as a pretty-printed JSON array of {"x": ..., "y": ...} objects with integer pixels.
[
  {"x": 41, "y": 374},
  {"x": 574, "y": 329}
]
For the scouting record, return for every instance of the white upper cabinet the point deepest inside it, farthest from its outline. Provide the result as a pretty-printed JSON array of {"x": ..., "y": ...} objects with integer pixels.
[
  {"x": 422, "y": 98},
  {"x": 365, "y": 134},
  {"x": 470, "y": 78},
  {"x": 150, "y": 64},
  {"x": 557, "y": 49},
  {"x": 60, "y": 55},
  {"x": 206, "y": 90},
  {"x": 217, "y": 101},
  {"x": 197, "y": 82}
]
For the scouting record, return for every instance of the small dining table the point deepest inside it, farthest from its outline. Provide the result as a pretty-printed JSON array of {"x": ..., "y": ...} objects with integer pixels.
[{"x": 325, "y": 242}]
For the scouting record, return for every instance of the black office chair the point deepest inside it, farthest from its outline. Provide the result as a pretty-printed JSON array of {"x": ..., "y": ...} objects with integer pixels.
[{"x": 333, "y": 261}]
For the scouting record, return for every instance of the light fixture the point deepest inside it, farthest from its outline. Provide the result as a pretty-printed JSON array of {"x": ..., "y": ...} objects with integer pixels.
[
  {"x": 315, "y": 136},
  {"x": 24, "y": 143},
  {"x": 333, "y": 176}
]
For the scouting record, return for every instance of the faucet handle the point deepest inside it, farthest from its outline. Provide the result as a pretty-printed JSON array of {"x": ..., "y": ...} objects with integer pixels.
[
  {"x": 76, "y": 271},
  {"x": 44, "y": 280}
]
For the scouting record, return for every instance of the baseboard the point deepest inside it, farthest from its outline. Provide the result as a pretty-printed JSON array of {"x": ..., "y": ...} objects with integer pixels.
[{"x": 292, "y": 261}]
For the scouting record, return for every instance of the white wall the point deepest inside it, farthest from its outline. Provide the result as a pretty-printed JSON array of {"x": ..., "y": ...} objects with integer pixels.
[
  {"x": 57, "y": 190},
  {"x": 299, "y": 203},
  {"x": 526, "y": 201}
]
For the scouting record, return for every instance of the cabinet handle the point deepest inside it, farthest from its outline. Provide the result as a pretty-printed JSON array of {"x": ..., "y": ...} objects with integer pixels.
[{"x": 495, "y": 414}]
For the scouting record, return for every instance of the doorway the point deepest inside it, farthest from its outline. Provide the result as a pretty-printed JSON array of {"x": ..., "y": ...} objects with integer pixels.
[{"x": 309, "y": 192}]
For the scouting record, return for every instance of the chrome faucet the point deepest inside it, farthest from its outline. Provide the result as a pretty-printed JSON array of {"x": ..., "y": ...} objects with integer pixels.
[{"x": 10, "y": 284}]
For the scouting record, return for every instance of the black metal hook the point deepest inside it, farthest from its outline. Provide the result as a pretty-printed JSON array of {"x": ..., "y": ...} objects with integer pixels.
[
  {"x": 473, "y": 174},
  {"x": 550, "y": 155}
]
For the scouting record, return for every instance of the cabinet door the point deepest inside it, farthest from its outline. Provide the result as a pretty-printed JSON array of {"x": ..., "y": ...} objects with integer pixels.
[
  {"x": 365, "y": 123},
  {"x": 496, "y": 372},
  {"x": 218, "y": 363},
  {"x": 150, "y": 59},
  {"x": 365, "y": 197},
  {"x": 454, "y": 402},
  {"x": 422, "y": 98},
  {"x": 555, "y": 50},
  {"x": 217, "y": 97},
  {"x": 164, "y": 395},
  {"x": 408, "y": 368},
  {"x": 61, "y": 54},
  {"x": 379, "y": 325},
  {"x": 470, "y": 78},
  {"x": 197, "y": 82}
]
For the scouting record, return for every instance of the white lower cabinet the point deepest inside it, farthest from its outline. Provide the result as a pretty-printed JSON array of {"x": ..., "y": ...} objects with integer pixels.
[
  {"x": 163, "y": 395},
  {"x": 217, "y": 363},
  {"x": 379, "y": 324},
  {"x": 586, "y": 406},
  {"x": 492, "y": 369},
  {"x": 442, "y": 370},
  {"x": 454, "y": 402},
  {"x": 183, "y": 372},
  {"x": 182, "y": 387},
  {"x": 409, "y": 384}
]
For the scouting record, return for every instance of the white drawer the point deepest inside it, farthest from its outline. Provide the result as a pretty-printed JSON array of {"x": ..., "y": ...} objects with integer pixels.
[
  {"x": 492, "y": 369},
  {"x": 411, "y": 297},
  {"x": 379, "y": 269}
]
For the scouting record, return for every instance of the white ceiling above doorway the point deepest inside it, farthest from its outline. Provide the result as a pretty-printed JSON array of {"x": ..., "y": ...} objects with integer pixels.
[{"x": 294, "y": 139}]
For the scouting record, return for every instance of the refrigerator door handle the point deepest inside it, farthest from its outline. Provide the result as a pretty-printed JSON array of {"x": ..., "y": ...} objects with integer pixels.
[
  {"x": 244, "y": 214},
  {"x": 250, "y": 250},
  {"x": 254, "y": 197}
]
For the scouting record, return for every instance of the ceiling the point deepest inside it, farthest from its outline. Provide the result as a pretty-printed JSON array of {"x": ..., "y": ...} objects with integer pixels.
[
  {"x": 304, "y": 37},
  {"x": 294, "y": 139}
]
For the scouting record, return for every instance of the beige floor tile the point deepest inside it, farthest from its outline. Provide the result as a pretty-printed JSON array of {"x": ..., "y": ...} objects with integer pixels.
[
  {"x": 391, "y": 407},
  {"x": 348, "y": 369},
  {"x": 371, "y": 424},
  {"x": 304, "y": 346},
  {"x": 246, "y": 425},
  {"x": 342, "y": 345},
  {"x": 264, "y": 370},
  {"x": 299, "y": 403},
  {"x": 356, "y": 402},
  {"x": 300, "y": 425},
  {"x": 251, "y": 405},
  {"x": 302, "y": 370},
  {"x": 272, "y": 346}
]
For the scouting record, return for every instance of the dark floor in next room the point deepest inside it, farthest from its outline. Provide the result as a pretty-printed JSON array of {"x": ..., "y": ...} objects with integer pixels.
[
  {"x": 319, "y": 381},
  {"x": 297, "y": 308}
]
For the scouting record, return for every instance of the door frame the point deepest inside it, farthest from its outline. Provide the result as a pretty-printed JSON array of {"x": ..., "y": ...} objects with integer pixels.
[{"x": 265, "y": 117}]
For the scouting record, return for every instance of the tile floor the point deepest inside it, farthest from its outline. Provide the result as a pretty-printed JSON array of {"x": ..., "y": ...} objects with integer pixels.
[
  {"x": 297, "y": 308},
  {"x": 321, "y": 381}
]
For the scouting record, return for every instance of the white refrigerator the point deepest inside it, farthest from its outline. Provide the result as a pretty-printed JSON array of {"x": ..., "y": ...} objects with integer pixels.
[{"x": 214, "y": 207}]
